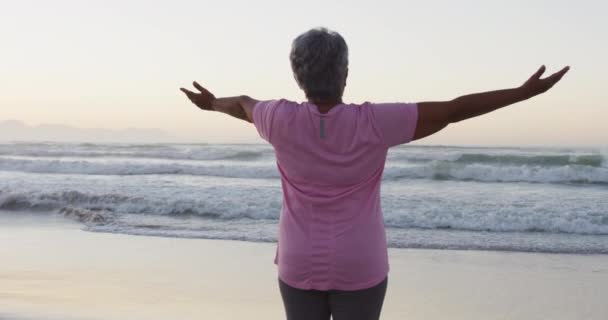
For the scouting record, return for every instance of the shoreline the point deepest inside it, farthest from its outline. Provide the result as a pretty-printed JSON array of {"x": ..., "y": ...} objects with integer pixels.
[
  {"x": 53, "y": 269},
  {"x": 505, "y": 251},
  {"x": 541, "y": 242}
]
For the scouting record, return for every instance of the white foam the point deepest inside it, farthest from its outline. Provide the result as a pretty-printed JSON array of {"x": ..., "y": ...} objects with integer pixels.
[
  {"x": 434, "y": 170},
  {"x": 126, "y": 167},
  {"x": 522, "y": 212},
  {"x": 152, "y": 151}
]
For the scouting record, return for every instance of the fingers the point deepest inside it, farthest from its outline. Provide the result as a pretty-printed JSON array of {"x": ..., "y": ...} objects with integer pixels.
[
  {"x": 191, "y": 95},
  {"x": 203, "y": 100},
  {"x": 554, "y": 78},
  {"x": 200, "y": 88},
  {"x": 538, "y": 73},
  {"x": 187, "y": 92},
  {"x": 561, "y": 73}
]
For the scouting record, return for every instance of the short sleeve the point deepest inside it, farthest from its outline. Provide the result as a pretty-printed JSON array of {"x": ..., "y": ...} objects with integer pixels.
[
  {"x": 272, "y": 119},
  {"x": 396, "y": 122},
  {"x": 263, "y": 114}
]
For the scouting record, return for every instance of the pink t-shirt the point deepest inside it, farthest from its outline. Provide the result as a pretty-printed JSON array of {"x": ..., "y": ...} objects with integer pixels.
[{"x": 331, "y": 228}]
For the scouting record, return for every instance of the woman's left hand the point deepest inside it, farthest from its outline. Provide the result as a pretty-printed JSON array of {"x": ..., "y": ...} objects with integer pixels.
[{"x": 203, "y": 100}]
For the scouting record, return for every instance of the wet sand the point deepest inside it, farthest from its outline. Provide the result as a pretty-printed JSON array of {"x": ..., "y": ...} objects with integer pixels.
[{"x": 51, "y": 269}]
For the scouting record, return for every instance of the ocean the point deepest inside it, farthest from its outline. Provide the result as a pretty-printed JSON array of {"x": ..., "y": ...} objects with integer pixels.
[{"x": 442, "y": 197}]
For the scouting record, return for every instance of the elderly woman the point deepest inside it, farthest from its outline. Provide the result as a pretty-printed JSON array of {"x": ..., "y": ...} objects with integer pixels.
[{"x": 332, "y": 250}]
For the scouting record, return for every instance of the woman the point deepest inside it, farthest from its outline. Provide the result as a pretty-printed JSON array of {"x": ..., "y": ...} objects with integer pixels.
[{"x": 332, "y": 252}]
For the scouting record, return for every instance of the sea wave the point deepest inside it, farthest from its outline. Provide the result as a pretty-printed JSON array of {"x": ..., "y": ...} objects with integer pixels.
[
  {"x": 592, "y": 160},
  {"x": 245, "y": 152},
  {"x": 113, "y": 203},
  {"x": 101, "y": 208},
  {"x": 445, "y": 170},
  {"x": 504, "y": 158},
  {"x": 151, "y": 151},
  {"x": 432, "y": 170},
  {"x": 34, "y": 165}
]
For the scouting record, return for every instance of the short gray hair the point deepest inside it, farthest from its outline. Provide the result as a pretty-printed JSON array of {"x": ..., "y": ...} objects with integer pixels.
[{"x": 319, "y": 60}]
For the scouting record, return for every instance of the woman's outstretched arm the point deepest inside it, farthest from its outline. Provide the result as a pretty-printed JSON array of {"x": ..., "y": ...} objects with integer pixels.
[
  {"x": 240, "y": 107},
  {"x": 434, "y": 116}
]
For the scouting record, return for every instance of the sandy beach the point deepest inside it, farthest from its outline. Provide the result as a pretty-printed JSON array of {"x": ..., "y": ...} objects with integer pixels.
[{"x": 52, "y": 269}]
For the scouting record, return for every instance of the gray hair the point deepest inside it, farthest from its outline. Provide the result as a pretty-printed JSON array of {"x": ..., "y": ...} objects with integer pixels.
[{"x": 319, "y": 60}]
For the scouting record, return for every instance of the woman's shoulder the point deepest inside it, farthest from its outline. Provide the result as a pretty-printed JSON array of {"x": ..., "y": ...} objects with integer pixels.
[{"x": 283, "y": 101}]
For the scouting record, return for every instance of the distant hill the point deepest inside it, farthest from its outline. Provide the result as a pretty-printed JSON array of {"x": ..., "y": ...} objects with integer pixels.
[{"x": 15, "y": 130}]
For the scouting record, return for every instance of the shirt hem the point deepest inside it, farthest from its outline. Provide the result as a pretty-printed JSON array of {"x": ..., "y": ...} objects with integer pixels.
[{"x": 359, "y": 286}]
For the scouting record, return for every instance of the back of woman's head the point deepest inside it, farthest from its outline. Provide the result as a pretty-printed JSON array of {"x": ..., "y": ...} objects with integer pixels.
[{"x": 319, "y": 60}]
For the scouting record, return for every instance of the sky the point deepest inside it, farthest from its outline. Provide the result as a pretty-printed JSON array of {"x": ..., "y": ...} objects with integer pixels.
[{"x": 119, "y": 64}]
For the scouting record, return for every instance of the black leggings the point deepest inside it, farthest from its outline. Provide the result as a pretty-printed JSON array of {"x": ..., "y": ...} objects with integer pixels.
[{"x": 363, "y": 304}]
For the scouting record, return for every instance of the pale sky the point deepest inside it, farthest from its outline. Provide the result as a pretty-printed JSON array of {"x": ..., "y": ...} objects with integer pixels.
[{"x": 118, "y": 64}]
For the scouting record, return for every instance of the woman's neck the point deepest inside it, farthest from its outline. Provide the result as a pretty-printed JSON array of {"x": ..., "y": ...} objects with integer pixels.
[{"x": 325, "y": 106}]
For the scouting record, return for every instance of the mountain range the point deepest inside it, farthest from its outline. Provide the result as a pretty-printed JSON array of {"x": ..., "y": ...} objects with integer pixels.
[{"x": 15, "y": 130}]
